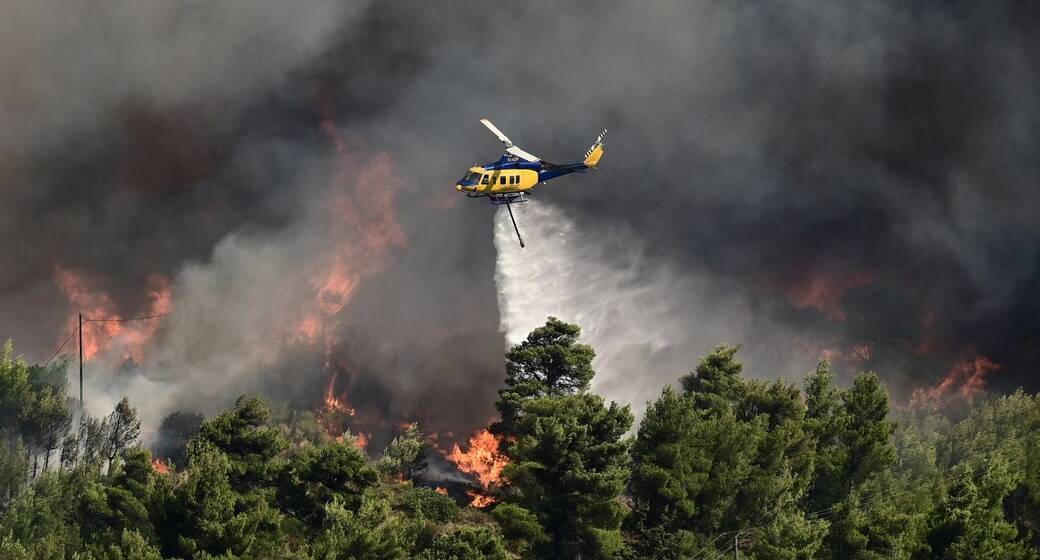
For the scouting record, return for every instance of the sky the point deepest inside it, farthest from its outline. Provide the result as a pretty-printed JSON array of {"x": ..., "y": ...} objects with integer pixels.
[{"x": 852, "y": 180}]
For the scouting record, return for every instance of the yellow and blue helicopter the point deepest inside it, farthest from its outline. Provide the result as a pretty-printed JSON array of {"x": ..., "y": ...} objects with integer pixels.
[{"x": 507, "y": 180}]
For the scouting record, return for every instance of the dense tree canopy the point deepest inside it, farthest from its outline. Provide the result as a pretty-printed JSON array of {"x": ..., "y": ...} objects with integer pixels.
[
  {"x": 568, "y": 458},
  {"x": 549, "y": 363},
  {"x": 722, "y": 464}
]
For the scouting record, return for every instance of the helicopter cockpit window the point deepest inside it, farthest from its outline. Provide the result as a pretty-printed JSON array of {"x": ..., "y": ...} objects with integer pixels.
[
  {"x": 484, "y": 180},
  {"x": 472, "y": 177}
]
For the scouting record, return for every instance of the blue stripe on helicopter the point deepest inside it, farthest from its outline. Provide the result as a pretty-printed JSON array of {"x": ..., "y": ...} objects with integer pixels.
[
  {"x": 506, "y": 163},
  {"x": 554, "y": 172}
]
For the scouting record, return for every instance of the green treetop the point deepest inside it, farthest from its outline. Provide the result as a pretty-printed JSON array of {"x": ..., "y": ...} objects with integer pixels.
[
  {"x": 568, "y": 458},
  {"x": 550, "y": 362}
]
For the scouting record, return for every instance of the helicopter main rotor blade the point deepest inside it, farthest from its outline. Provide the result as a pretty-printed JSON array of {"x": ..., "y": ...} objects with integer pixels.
[
  {"x": 522, "y": 154},
  {"x": 494, "y": 130},
  {"x": 510, "y": 147}
]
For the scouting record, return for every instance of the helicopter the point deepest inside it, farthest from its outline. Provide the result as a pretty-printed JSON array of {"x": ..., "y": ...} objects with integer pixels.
[{"x": 508, "y": 180}]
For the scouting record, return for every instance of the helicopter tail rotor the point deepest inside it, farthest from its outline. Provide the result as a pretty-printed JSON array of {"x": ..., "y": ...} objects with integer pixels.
[{"x": 595, "y": 151}]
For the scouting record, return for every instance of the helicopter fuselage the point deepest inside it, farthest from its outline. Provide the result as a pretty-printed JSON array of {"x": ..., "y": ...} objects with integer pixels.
[{"x": 512, "y": 175}]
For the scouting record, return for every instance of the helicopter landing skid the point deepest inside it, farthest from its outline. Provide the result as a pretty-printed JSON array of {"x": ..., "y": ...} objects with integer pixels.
[{"x": 507, "y": 198}]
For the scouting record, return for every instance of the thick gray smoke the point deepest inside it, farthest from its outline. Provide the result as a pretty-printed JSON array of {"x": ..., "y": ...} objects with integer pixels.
[
  {"x": 635, "y": 311},
  {"x": 807, "y": 177},
  {"x": 856, "y": 179}
]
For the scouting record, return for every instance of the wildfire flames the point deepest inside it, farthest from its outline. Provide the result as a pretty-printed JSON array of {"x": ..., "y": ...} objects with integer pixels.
[
  {"x": 106, "y": 331},
  {"x": 361, "y": 441},
  {"x": 363, "y": 224},
  {"x": 363, "y": 229},
  {"x": 483, "y": 460},
  {"x": 480, "y": 500},
  {"x": 334, "y": 403},
  {"x": 826, "y": 292},
  {"x": 966, "y": 379},
  {"x": 160, "y": 466},
  {"x": 335, "y": 414},
  {"x": 860, "y": 352}
]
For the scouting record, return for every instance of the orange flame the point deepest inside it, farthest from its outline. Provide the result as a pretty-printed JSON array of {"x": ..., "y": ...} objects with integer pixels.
[
  {"x": 337, "y": 414},
  {"x": 441, "y": 490},
  {"x": 863, "y": 351},
  {"x": 336, "y": 287},
  {"x": 362, "y": 229},
  {"x": 826, "y": 292},
  {"x": 831, "y": 354},
  {"x": 105, "y": 330},
  {"x": 966, "y": 379},
  {"x": 308, "y": 329},
  {"x": 334, "y": 403},
  {"x": 480, "y": 500},
  {"x": 334, "y": 412},
  {"x": 361, "y": 440},
  {"x": 160, "y": 466},
  {"x": 483, "y": 460}
]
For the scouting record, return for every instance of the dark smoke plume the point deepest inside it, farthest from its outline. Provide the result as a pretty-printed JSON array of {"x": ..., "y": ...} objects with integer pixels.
[{"x": 808, "y": 177}]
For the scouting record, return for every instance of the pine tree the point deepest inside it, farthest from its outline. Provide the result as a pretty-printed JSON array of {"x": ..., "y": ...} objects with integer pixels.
[
  {"x": 969, "y": 523},
  {"x": 123, "y": 431},
  {"x": 868, "y": 433},
  {"x": 550, "y": 362},
  {"x": 249, "y": 444},
  {"x": 826, "y": 421},
  {"x": 14, "y": 386},
  {"x": 13, "y": 466},
  {"x": 716, "y": 381},
  {"x": 568, "y": 466},
  {"x": 690, "y": 465},
  {"x": 316, "y": 475},
  {"x": 69, "y": 451},
  {"x": 45, "y": 420},
  {"x": 568, "y": 458},
  {"x": 174, "y": 432},
  {"x": 205, "y": 515},
  {"x": 724, "y": 456},
  {"x": 466, "y": 543},
  {"x": 92, "y": 435},
  {"x": 405, "y": 454}
]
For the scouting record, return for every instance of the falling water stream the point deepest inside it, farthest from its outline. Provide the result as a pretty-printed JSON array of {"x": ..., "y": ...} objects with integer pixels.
[{"x": 635, "y": 312}]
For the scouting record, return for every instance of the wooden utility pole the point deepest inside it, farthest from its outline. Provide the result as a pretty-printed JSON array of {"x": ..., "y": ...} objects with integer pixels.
[{"x": 81, "y": 362}]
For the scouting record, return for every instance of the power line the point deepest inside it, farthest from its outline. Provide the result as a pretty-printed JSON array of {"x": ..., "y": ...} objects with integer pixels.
[
  {"x": 86, "y": 320},
  {"x": 127, "y": 319},
  {"x": 67, "y": 339},
  {"x": 79, "y": 329},
  {"x": 711, "y": 544}
]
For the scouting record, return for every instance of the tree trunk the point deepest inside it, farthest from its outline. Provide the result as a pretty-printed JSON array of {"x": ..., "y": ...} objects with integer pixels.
[{"x": 27, "y": 466}]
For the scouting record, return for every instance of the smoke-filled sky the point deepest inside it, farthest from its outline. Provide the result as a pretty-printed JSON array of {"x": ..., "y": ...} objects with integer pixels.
[{"x": 848, "y": 179}]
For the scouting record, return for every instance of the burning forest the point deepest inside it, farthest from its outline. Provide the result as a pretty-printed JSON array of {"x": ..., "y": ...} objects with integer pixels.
[
  {"x": 796, "y": 301},
  {"x": 559, "y": 464},
  {"x": 284, "y": 227}
]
